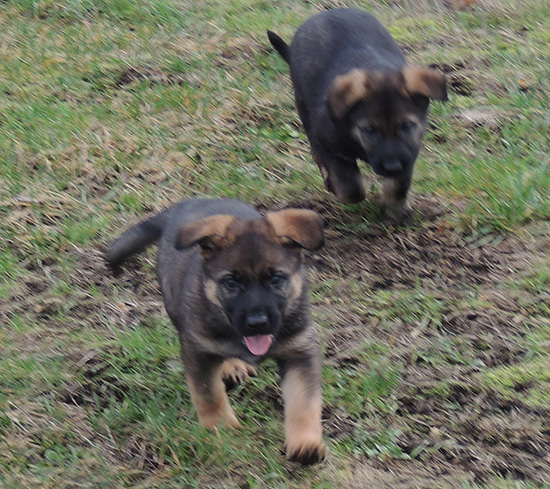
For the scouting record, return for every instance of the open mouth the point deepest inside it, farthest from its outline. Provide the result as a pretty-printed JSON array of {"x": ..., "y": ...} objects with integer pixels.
[{"x": 258, "y": 344}]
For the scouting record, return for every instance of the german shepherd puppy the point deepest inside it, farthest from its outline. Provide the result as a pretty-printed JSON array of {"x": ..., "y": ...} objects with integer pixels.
[
  {"x": 235, "y": 288},
  {"x": 358, "y": 98}
]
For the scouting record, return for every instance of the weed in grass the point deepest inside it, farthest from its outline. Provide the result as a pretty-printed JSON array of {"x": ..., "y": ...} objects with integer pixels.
[{"x": 528, "y": 382}]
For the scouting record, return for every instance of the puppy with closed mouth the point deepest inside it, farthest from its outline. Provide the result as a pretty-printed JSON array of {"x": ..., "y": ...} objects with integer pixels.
[
  {"x": 235, "y": 288},
  {"x": 359, "y": 99}
]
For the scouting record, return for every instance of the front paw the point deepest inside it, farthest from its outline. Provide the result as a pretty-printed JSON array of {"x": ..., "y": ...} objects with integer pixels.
[
  {"x": 306, "y": 453},
  {"x": 234, "y": 371}
]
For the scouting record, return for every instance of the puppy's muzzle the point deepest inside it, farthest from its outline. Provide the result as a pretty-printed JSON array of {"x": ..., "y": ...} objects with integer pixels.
[
  {"x": 392, "y": 157},
  {"x": 392, "y": 166}
]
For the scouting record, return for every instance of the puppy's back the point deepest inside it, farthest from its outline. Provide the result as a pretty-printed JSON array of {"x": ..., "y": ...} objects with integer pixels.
[
  {"x": 333, "y": 42},
  {"x": 351, "y": 29}
]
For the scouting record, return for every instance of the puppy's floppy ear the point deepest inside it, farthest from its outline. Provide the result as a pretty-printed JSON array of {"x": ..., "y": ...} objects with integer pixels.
[
  {"x": 298, "y": 227},
  {"x": 346, "y": 91},
  {"x": 209, "y": 233},
  {"x": 425, "y": 81}
]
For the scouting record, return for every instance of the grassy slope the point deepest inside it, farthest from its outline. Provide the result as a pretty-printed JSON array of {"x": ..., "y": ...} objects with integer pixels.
[{"x": 112, "y": 109}]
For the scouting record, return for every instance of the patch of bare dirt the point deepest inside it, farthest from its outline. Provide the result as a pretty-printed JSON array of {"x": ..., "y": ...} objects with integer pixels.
[
  {"x": 464, "y": 78},
  {"x": 36, "y": 294},
  {"x": 477, "y": 431},
  {"x": 482, "y": 117},
  {"x": 154, "y": 76},
  {"x": 135, "y": 74},
  {"x": 240, "y": 48},
  {"x": 386, "y": 259}
]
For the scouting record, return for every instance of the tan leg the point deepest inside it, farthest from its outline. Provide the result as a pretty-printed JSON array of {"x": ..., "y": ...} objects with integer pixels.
[
  {"x": 303, "y": 406},
  {"x": 210, "y": 398},
  {"x": 394, "y": 199}
]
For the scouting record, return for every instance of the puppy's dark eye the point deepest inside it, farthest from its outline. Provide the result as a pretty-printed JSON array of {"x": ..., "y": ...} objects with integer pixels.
[
  {"x": 370, "y": 131},
  {"x": 230, "y": 283},
  {"x": 406, "y": 127},
  {"x": 277, "y": 279}
]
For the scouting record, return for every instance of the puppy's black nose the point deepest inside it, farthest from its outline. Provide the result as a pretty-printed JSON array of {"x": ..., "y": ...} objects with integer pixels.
[
  {"x": 393, "y": 166},
  {"x": 256, "y": 320}
]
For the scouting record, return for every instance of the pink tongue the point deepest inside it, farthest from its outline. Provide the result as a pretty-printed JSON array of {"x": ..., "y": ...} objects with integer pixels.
[{"x": 259, "y": 344}]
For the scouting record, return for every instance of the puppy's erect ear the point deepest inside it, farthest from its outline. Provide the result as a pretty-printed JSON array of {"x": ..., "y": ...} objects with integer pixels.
[
  {"x": 346, "y": 91},
  {"x": 425, "y": 81},
  {"x": 298, "y": 227},
  {"x": 209, "y": 233}
]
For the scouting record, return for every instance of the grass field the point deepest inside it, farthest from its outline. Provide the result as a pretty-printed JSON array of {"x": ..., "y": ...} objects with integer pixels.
[{"x": 436, "y": 334}]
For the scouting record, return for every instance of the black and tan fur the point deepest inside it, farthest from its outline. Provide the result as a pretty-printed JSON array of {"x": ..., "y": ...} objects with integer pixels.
[
  {"x": 235, "y": 288},
  {"x": 359, "y": 99}
]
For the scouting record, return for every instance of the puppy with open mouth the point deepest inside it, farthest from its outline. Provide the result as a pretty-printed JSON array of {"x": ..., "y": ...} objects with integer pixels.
[
  {"x": 234, "y": 285},
  {"x": 359, "y": 99}
]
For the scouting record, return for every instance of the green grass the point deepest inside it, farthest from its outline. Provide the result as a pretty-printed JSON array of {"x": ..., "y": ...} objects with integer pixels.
[{"x": 111, "y": 110}]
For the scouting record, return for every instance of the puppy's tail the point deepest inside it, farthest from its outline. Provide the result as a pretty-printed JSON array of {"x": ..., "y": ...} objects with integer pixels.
[
  {"x": 136, "y": 239},
  {"x": 281, "y": 46}
]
